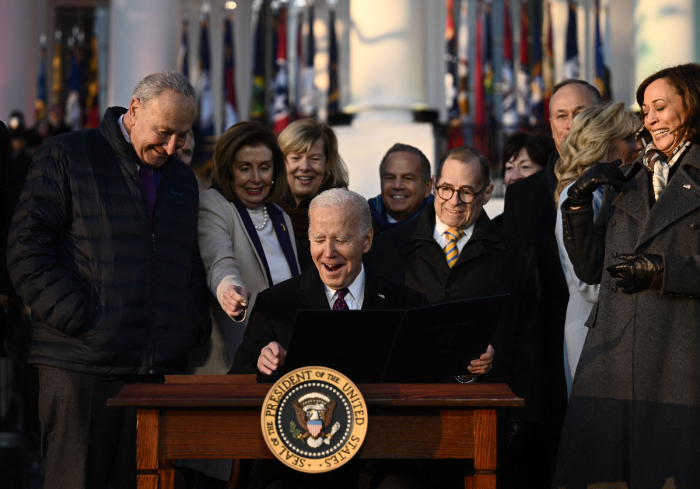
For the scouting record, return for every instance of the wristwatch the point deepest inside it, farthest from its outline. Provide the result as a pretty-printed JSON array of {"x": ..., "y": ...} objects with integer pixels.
[{"x": 465, "y": 380}]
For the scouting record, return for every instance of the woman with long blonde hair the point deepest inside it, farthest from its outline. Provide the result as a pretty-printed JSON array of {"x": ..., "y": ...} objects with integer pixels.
[{"x": 599, "y": 133}]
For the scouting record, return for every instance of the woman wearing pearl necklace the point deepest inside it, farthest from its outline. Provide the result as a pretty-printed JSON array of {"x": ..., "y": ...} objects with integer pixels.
[{"x": 246, "y": 242}]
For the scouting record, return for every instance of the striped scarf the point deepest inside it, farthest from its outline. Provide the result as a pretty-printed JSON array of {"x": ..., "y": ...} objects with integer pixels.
[{"x": 656, "y": 163}]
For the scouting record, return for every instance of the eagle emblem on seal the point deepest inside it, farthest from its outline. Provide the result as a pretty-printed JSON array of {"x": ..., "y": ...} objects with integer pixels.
[{"x": 315, "y": 413}]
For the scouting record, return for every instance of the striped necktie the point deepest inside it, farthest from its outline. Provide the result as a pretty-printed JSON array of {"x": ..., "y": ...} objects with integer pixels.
[
  {"x": 451, "y": 251},
  {"x": 340, "y": 304}
]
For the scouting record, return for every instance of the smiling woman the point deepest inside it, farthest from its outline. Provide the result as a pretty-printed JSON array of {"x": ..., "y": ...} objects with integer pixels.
[
  {"x": 313, "y": 165},
  {"x": 246, "y": 244},
  {"x": 637, "y": 383}
]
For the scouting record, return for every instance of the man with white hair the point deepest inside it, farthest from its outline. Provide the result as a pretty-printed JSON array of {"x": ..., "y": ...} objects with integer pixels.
[
  {"x": 340, "y": 232},
  {"x": 104, "y": 250}
]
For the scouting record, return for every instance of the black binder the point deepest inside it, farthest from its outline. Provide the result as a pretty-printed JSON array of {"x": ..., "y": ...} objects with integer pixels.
[{"x": 426, "y": 344}]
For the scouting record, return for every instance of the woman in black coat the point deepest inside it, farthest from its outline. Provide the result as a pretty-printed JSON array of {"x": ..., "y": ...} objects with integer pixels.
[{"x": 634, "y": 413}]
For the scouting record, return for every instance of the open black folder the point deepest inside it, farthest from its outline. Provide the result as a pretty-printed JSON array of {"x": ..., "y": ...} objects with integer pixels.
[{"x": 426, "y": 344}]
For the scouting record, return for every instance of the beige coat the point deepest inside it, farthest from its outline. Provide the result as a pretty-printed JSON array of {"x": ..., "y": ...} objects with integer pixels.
[{"x": 230, "y": 259}]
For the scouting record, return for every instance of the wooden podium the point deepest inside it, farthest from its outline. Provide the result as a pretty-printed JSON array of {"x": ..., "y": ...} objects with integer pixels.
[{"x": 219, "y": 417}]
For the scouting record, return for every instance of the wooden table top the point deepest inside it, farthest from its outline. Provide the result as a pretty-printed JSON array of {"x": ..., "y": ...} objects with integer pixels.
[{"x": 177, "y": 393}]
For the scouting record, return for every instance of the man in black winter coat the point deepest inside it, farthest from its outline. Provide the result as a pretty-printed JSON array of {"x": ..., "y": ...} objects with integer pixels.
[
  {"x": 530, "y": 213},
  {"x": 104, "y": 249},
  {"x": 452, "y": 251}
]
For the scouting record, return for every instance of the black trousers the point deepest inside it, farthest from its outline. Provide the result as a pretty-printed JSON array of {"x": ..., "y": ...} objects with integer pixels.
[{"x": 84, "y": 443}]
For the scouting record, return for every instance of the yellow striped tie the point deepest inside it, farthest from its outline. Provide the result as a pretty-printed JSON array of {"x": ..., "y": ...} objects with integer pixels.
[{"x": 451, "y": 251}]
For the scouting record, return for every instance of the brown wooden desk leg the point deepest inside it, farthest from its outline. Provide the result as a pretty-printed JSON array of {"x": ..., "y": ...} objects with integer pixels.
[
  {"x": 485, "y": 449},
  {"x": 166, "y": 473},
  {"x": 147, "y": 449}
]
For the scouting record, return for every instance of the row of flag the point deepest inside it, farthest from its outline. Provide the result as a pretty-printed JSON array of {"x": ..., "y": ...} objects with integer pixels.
[
  {"x": 281, "y": 111},
  {"x": 525, "y": 94},
  {"x": 74, "y": 79}
]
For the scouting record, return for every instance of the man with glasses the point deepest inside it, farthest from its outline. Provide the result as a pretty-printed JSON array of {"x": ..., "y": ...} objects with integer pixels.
[{"x": 452, "y": 251}]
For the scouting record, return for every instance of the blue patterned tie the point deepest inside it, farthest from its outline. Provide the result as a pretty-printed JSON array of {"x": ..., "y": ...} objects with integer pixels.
[{"x": 340, "y": 304}]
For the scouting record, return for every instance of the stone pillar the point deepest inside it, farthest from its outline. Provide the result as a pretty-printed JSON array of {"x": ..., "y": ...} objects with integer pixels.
[
  {"x": 654, "y": 50},
  {"x": 18, "y": 58},
  {"x": 386, "y": 58},
  {"x": 144, "y": 38},
  {"x": 388, "y": 79}
]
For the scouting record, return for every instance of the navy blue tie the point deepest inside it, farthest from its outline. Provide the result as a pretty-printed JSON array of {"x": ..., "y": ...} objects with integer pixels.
[{"x": 340, "y": 304}]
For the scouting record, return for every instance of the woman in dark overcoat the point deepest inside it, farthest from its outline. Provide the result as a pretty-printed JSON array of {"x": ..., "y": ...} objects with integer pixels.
[{"x": 633, "y": 418}]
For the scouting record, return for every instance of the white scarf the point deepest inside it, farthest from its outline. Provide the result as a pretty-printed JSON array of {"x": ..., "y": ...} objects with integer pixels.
[{"x": 656, "y": 163}]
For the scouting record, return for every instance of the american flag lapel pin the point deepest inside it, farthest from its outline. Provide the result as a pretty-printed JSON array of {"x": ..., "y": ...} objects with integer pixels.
[{"x": 382, "y": 296}]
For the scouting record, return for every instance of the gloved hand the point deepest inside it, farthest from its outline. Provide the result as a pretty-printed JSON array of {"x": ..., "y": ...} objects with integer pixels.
[
  {"x": 637, "y": 273},
  {"x": 581, "y": 192}
]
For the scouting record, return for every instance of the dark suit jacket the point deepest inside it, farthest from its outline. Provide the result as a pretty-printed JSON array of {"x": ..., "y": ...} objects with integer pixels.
[
  {"x": 272, "y": 318},
  {"x": 530, "y": 213},
  {"x": 493, "y": 262}
]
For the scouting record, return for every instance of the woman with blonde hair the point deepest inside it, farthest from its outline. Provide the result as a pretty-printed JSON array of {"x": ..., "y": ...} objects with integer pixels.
[
  {"x": 599, "y": 133},
  {"x": 313, "y": 166}
]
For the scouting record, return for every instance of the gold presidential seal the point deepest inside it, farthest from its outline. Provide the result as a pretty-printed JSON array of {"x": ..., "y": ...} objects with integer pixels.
[{"x": 314, "y": 419}]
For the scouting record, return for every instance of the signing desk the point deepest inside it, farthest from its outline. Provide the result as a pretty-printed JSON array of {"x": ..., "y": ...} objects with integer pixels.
[{"x": 219, "y": 417}]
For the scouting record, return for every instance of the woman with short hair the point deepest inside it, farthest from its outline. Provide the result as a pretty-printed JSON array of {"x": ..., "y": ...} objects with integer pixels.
[
  {"x": 633, "y": 418},
  {"x": 313, "y": 165},
  {"x": 599, "y": 133}
]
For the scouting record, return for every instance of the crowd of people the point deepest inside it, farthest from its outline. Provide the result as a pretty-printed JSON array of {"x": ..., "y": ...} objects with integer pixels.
[{"x": 131, "y": 274}]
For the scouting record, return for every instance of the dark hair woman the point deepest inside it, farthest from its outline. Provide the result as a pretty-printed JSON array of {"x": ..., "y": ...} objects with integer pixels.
[
  {"x": 637, "y": 383},
  {"x": 245, "y": 240},
  {"x": 524, "y": 154}
]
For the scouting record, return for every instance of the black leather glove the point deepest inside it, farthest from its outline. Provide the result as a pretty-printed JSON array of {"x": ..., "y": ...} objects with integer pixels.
[
  {"x": 581, "y": 192},
  {"x": 638, "y": 271}
]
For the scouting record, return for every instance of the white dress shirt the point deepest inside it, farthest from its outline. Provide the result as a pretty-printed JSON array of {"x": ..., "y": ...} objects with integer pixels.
[
  {"x": 276, "y": 261},
  {"x": 354, "y": 297},
  {"x": 439, "y": 234}
]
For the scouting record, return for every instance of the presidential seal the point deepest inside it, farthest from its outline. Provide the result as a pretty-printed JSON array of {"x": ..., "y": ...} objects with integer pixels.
[{"x": 314, "y": 419}]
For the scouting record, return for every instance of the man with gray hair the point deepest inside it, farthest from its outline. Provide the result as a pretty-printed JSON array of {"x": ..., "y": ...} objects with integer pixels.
[
  {"x": 104, "y": 250},
  {"x": 340, "y": 232}
]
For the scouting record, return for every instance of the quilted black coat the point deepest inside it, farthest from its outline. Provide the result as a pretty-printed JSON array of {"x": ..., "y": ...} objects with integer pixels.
[{"x": 110, "y": 293}]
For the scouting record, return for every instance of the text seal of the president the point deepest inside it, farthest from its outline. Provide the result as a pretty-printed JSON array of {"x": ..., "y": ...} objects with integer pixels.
[{"x": 314, "y": 419}]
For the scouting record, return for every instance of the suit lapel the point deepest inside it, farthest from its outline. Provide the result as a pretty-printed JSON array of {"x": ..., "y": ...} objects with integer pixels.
[
  {"x": 375, "y": 291},
  {"x": 241, "y": 225},
  {"x": 634, "y": 196},
  {"x": 311, "y": 291},
  {"x": 681, "y": 196},
  {"x": 482, "y": 238},
  {"x": 425, "y": 245}
]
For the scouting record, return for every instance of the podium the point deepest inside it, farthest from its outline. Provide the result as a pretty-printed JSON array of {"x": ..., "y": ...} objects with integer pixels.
[{"x": 219, "y": 417}]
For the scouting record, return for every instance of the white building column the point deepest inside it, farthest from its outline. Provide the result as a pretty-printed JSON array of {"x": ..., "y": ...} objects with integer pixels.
[
  {"x": 386, "y": 58},
  {"x": 144, "y": 38},
  {"x": 18, "y": 58},
  {"x": 387, "y": 82},
  {"x": 664, "y": 35}
]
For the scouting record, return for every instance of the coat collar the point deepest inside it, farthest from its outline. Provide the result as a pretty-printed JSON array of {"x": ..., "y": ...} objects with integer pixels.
[
  {"x": 484, "y": 237},
  {"x": 681, "y": 197},
  {"x": 110, "y": 130},
  {"x": 634, "y": 195},
  {"x": 313, "y": 295},
  {"x": 548, "y": 174}
]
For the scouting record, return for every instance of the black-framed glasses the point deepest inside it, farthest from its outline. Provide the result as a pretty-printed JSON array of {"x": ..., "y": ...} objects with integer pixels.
[{"x": 464, "y": 196}]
